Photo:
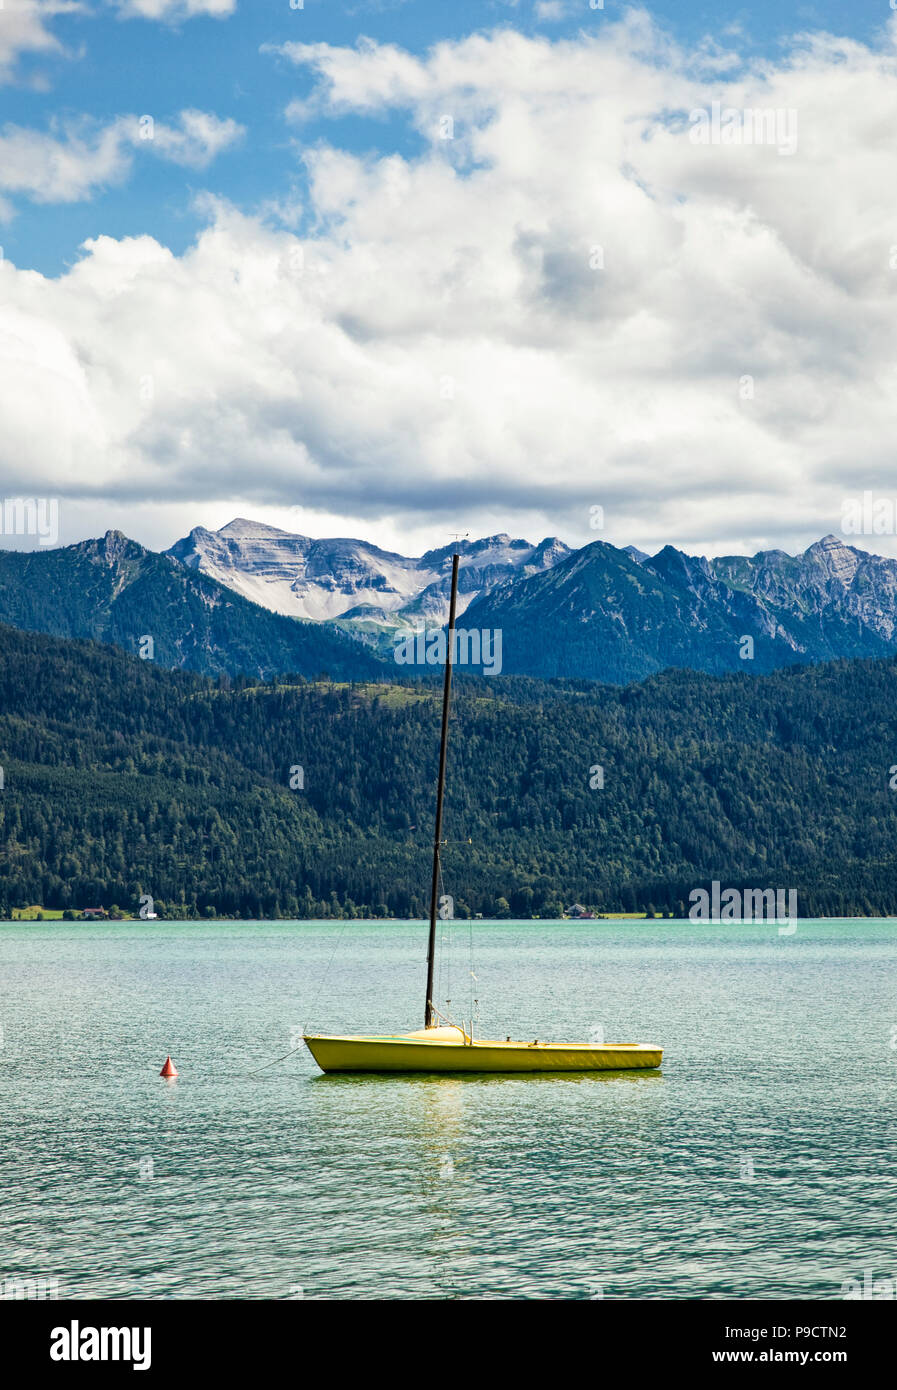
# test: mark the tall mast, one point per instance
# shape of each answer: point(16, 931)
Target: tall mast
point(440, 790)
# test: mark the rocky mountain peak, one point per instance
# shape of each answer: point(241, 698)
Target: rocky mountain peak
point(114, 545)
point(241, 528)
point(841, 561)
point(341, 578)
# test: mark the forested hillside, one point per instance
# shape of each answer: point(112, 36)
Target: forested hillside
point(121, 778)
point(114, 590)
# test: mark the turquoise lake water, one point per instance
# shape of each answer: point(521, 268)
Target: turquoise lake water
point(760, 1163)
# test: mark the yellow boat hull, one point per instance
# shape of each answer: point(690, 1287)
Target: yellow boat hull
point(452, 1050)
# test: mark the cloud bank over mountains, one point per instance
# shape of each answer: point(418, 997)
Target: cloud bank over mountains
point(552, 299)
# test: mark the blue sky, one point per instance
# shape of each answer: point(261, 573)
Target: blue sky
point(112, 66)
point(304, 303)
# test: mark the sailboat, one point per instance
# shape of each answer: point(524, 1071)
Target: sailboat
point(444, 1046)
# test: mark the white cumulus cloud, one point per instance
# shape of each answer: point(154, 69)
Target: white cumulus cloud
point(25, 28)
point(560, 301)
point(77, 157)
point(63, 166)
point(172, 11)
point(197, 139)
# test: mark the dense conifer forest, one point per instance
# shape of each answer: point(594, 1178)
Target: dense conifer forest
point(123, 779)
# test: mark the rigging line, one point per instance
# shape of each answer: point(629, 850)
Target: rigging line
point(292, 1052)
point(445, 956)
point(473, 978)
point(323, 979)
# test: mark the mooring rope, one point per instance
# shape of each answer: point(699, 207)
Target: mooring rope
point(310, 1011)
point(292, 1052)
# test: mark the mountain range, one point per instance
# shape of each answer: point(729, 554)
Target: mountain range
point(255, 600)
point(114, 590)
point(607, 615)
point(369, 591)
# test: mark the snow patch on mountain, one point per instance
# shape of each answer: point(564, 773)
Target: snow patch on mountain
point(354, 581)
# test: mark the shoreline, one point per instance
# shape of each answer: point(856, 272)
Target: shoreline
point(51, 915)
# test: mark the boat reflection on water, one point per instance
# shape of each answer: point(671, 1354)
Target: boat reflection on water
point(447, 1080)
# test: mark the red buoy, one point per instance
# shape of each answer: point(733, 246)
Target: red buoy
point(169, 1069)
